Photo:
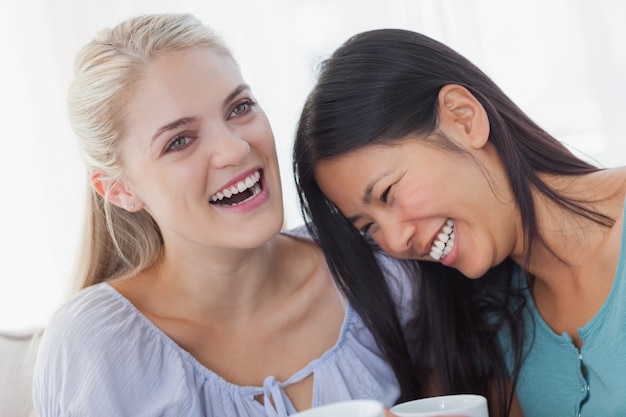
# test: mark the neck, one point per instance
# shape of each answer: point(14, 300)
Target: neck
point(572, 243)
point(228, 284)
point(220, 278)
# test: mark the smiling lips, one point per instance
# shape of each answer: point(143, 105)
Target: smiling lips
point(444, 242)
point(239, 193)
point(250, 187)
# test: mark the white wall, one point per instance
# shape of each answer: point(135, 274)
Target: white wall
point(562, 60)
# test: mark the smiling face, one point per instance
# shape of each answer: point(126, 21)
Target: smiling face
point(199, 155)
point(420, 201)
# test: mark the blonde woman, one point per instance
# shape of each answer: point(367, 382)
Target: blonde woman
point(193, 301)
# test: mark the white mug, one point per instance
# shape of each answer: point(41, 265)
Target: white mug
point(350, 408)
point(461, 405)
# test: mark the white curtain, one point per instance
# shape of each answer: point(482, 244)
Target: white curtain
point(562, 61)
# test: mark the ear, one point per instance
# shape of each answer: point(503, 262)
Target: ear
point(460, 111)
point(115, 191)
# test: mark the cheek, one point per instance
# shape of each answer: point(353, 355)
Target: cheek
point(259, 134)
point(415, 200)
point(158, 185)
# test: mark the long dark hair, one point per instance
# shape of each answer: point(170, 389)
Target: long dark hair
point(382, 86)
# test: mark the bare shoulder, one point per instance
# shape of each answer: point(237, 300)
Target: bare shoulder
point(610, 182)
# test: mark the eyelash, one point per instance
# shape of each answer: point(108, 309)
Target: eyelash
point(248, 106)
point(170, 147)
point(383, 197)
point(364, 230)
point(385, 194)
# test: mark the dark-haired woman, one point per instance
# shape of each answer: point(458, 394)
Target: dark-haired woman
point(405, 141)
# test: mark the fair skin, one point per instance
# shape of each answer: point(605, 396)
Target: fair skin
point(412, 189)
point(225, 275)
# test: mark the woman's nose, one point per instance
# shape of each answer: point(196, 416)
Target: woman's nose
point(229, 148)
point(397, 236)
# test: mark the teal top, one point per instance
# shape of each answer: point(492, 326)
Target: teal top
point(557, 379)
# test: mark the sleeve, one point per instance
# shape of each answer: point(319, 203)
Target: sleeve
point(97, 360)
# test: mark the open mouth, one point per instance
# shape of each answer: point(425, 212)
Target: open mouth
point(443, 242)
point(239, 193)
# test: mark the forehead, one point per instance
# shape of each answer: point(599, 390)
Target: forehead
point(190, 73)
point(180, 84)
point(363, 160)
point(345, 163)
point(345, 177)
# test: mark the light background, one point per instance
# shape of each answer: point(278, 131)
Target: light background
point(562, 61)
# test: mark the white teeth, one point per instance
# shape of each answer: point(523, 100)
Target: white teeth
point(444, 242)
point(250, 182)
point(447, 249)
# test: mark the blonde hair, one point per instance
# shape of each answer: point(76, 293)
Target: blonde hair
point(116, 242)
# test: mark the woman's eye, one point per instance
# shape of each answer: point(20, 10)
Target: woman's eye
point(365, 230)
point(179, 143)
point(385, 194)
point(242, 108)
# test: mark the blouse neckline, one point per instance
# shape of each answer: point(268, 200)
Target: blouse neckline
point(299, 375)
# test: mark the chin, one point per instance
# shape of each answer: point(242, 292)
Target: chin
point(261, 233)
point(475, 272)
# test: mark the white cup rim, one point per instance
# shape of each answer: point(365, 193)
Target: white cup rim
point(458, 403)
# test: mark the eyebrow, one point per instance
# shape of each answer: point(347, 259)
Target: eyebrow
point(186, 120)
point(173, 125)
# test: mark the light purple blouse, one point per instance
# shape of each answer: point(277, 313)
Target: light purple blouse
point(101, 357)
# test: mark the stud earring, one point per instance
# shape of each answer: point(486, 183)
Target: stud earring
point(129, 206)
